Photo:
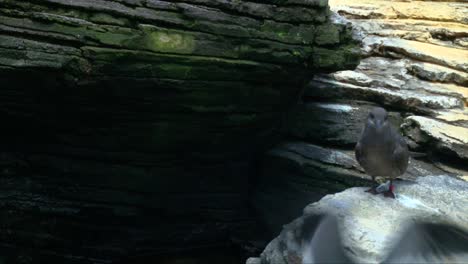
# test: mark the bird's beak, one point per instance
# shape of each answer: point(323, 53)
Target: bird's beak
point(378, 123)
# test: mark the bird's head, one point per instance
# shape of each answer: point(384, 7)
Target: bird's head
point(377, 118)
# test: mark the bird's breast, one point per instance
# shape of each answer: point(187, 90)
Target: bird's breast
point(378, 161)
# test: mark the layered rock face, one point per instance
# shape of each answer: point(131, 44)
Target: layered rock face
point(129, 125)
point(414, 65)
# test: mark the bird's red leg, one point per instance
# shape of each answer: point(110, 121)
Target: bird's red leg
point(390, 193)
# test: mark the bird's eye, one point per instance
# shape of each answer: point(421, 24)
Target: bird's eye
point(371, 116)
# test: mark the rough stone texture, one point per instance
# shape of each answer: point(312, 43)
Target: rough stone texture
point(387, 82)
point(367, 235)
point(130, 125)
point(441, 136)
point(436, 73)
point(337, 123)
point(414, 66)
point(295, 173)
point(253, 261)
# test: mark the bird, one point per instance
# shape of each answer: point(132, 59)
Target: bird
point(420, 242)
point(381, 150)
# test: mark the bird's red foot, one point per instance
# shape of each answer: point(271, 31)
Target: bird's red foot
point(390, 193)
point(372, 190)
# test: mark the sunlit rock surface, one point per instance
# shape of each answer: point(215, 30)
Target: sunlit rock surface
point(442, 136)
point(370, 222)
point(415, 65)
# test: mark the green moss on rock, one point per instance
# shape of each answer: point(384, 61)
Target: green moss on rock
point(327, 34)
point(175, 91)
point(166, 41)
point(341, 57)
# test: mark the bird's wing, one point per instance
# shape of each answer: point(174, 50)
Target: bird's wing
point(358, 152)
point(424, 243)
point(322, 241)
point(400, 157)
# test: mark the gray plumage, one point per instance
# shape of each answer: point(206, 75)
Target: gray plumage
point(381, 150)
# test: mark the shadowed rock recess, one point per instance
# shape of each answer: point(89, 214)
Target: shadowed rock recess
point(129, 126)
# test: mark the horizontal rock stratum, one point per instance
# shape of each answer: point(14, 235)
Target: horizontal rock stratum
point(130, 125)
point(416, 63)
point(165, 70)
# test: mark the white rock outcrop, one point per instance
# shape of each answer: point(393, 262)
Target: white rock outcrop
point(370, 223)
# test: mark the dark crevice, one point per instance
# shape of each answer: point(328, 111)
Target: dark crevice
point(45, 39)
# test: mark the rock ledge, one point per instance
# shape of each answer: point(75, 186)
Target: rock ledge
point(370, 221)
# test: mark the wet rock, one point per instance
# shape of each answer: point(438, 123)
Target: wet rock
point(367, 235)
point(436, 73)
point(13, 164)
point(139, 120)
point(389, 83)
point(400, 48)
point(441, 136)
point(406, 100)
point(297, 173)
point(414, 66)
point(338, 124)
point(253, 261)
point(454, 116)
